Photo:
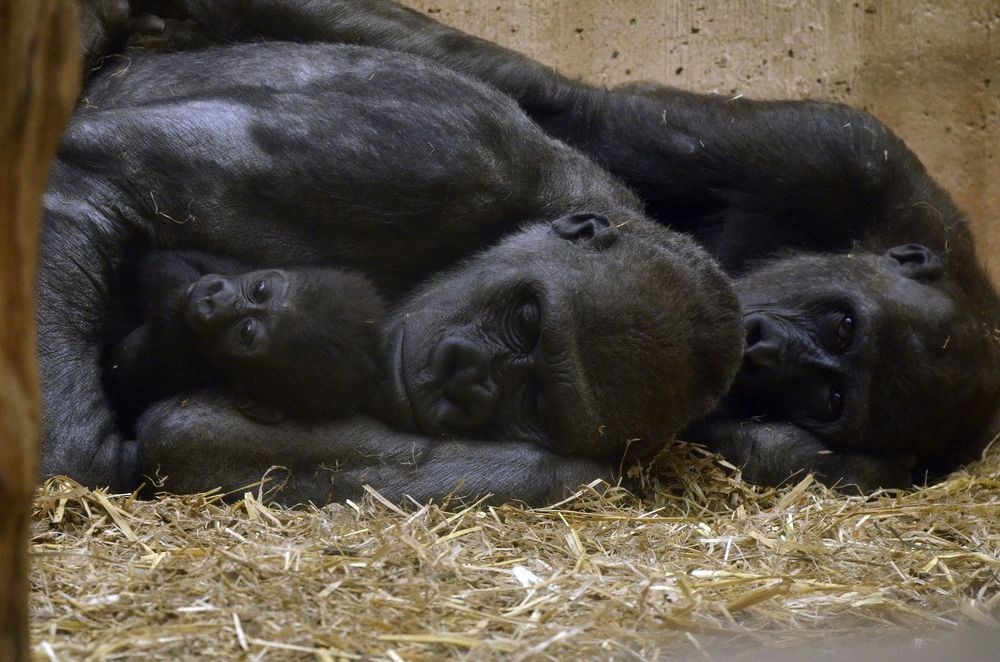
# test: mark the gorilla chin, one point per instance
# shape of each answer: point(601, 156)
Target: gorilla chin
point(577, 336)
point(872, 352)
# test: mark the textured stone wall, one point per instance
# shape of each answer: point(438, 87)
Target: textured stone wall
point(930, 69)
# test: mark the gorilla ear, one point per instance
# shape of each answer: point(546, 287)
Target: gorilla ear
point(916, 261)
point(594, 229)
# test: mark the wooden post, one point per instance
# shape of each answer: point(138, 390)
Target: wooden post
point(39, 83)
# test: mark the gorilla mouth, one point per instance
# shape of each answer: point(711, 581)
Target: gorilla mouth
point(397, 397)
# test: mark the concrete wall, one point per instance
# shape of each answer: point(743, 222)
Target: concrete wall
point(930, 69)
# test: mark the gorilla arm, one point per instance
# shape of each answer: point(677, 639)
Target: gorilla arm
point(378, 23)
point(746, 177)
point(203, 442)
point(74, 303)
point(773, 453)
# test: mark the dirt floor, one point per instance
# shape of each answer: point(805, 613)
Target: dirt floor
point(705, 566)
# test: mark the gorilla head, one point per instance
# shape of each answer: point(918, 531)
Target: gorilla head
point(303, 339)
point(881, 353)
point(575, 335)
point(299, 341)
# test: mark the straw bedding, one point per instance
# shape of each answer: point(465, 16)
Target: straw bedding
point(703, 566)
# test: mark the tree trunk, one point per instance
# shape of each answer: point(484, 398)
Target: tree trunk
point(39, 83)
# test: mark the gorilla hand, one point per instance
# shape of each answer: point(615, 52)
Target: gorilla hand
point(773, 453)
point(203, 442)
point(106, 24)
point(75, 291)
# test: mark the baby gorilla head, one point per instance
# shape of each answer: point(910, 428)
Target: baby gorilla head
point(300, 340)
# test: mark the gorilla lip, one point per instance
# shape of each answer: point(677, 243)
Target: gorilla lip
point(397, 382)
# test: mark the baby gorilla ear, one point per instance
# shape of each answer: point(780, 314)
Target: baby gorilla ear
point(916, 261)
point(590, 228)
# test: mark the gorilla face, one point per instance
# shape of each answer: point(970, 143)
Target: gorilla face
point(234, 318)
point(302, 339)
point(858, 350)
point(575, 335)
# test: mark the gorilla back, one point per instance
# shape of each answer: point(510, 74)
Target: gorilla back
point(358, 158)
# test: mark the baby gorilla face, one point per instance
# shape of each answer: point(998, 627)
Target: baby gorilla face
point(234, 318)
point(303, 340)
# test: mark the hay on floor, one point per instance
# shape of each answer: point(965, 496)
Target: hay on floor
point(703, 563)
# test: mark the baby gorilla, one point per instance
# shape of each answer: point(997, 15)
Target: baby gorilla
point(300, 342)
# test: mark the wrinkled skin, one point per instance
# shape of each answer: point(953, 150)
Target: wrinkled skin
point(749, 179)
point(299, 342)
point(277, 165)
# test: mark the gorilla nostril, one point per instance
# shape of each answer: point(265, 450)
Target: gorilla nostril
point(754, 334)
point(213, 288)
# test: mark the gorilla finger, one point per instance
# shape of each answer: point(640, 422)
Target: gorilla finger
point(148, 24)
point(175, 9)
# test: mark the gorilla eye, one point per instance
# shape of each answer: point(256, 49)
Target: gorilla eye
point(528, 325)
point(834, 403)
point(258, 292)
point(845, 332)
point(248, 332)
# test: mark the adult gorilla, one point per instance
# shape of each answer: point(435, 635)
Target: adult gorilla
point(871, 351)
point(397, 167)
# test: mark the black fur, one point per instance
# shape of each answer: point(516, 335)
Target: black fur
point(751, 179)
point(282, 154)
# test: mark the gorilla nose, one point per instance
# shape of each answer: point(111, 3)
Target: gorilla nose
point(763, 345)
point(460, 369)
point(210, 297)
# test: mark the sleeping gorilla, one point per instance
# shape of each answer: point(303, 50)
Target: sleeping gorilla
point(300, 342)
point(536, 365)
point(588, 333)
point(872, 345)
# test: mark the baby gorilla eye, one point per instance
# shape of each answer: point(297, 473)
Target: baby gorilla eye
point(845, 332)
point(248, 332)
point(259, 291)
